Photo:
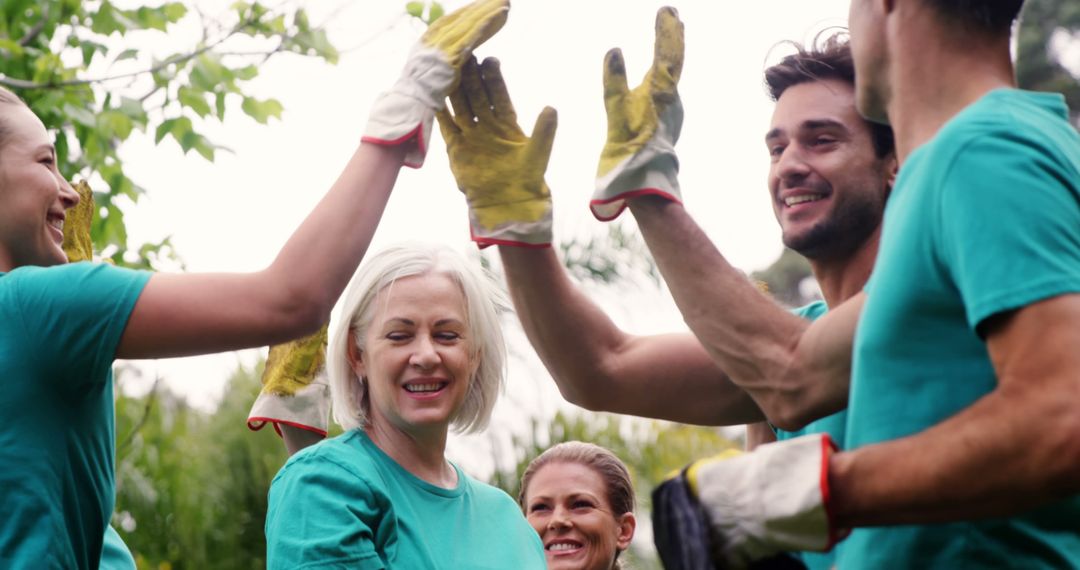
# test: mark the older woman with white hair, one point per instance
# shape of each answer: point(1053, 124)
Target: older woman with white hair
point(418, 351)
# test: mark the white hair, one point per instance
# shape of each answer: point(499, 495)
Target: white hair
point(484, 301)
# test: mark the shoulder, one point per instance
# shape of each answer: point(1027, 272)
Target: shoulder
point(811, 311)
point(491, 496)
point(1009, 125)
point(340, 458)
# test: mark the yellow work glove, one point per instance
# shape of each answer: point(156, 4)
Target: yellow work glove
point(77, 243)
point(500, 170)
point(403, 115)
point(736, 509)
point(294, 390)
point(643, 125)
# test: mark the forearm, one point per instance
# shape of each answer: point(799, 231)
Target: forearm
point(766, 350)
point(321, 256)
point(600, 367)
point(1009, 452)
point(290, 299)
point(759, 433)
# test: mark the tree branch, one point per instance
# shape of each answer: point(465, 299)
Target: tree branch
point(38, 27)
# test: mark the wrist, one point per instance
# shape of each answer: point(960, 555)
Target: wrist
point(838, 502)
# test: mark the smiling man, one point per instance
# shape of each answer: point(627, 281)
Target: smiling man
point(830, 174)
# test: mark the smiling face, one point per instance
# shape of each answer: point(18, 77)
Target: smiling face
point(567, 505)
point(416, 356)
point(33, 194)
point(827, 183)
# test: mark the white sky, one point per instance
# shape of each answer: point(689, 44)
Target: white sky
point(235, 214)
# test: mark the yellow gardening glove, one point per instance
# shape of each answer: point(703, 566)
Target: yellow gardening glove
point(735, 509)
point(77, 243)
point(643, 125)
point(432, 70)
point(500, 170)
point(294, 392)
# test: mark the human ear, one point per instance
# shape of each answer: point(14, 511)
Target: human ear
point(627, 524)
point(354, 355)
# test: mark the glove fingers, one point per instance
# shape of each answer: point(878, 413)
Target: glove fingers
point(669, 49)
point(472, 84)
point(497, 92)
point(450, 130)
point(543, 137)
point(614, 75)
point(459, 102)
point(460, 32)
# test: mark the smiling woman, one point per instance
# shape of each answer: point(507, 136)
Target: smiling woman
point(418, 352)
point(578, 497)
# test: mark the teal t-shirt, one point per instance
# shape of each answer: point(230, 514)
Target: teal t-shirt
point(833, 425)
point(59, 329)
point(984, 219)
point(114, 553)
point(344, 503)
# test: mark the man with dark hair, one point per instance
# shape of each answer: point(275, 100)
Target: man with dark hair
point(964, 411)
point(830, 174)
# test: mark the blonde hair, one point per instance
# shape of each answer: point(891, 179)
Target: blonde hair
point(484, 302)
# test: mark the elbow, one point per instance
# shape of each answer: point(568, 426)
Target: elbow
point(302, 314)
point(789, 416)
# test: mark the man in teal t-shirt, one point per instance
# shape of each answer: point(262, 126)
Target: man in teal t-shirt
point(344, 502)
point(961, 443)
point(59, 329)
point(995, 196)
point(962, 450)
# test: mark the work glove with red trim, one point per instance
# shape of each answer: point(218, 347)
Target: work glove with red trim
point(500, 170)
point(294, 388)
point(638, 158)
point(742, 508)
point(404, 114)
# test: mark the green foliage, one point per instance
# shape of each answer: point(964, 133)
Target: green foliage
point(191, 486)
point(1037, 67)
point(76, 66)
point(784, 276)
point(426, 12)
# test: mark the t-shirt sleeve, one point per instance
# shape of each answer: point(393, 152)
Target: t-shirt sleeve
point(322, 515)
point(1010, 223)
point(75, 315)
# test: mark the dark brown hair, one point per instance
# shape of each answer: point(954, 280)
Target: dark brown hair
point(993, 17)
point(823, 60)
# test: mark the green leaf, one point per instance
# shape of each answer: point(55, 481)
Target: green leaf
point(219, 103)
point(194, 100)
point(415, 9)
point(435, 12)
point(207, 73)
point(261, 111)
point(174, 11)
point(81, 116)
point(114, 123)
point(247, 73)
point(10, 48)
point(130, 53)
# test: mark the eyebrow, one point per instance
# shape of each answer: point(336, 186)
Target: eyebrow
point(809, 125)
point(411, 323)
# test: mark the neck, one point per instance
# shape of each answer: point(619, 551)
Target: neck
point(935, 74)
point(418, 453)
point(843, 278)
